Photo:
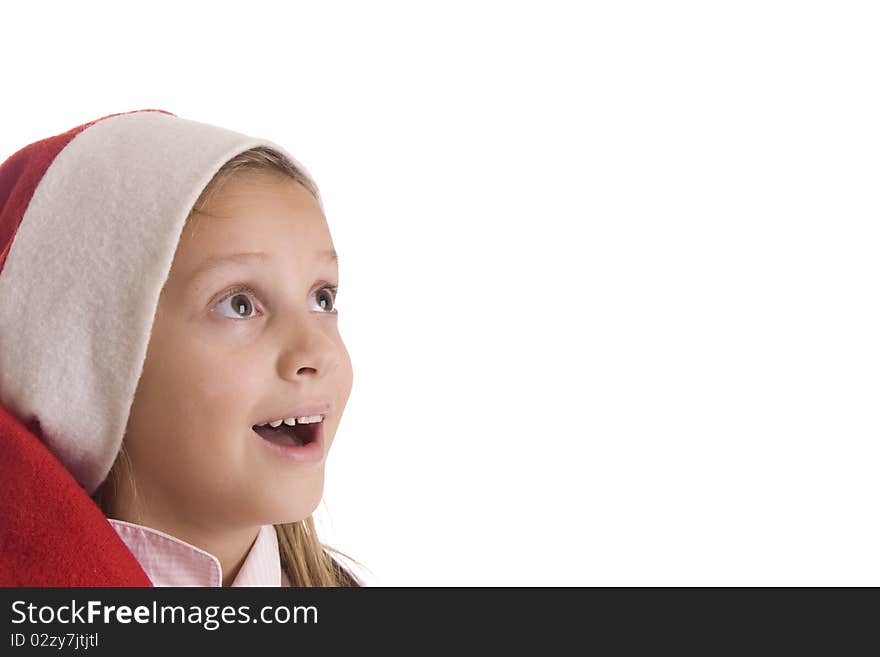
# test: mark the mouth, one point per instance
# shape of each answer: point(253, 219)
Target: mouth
point(284, 435)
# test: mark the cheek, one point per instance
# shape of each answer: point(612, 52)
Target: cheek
point(342, 379)
point(346, 375)
point(212, 379)
point(194, 401)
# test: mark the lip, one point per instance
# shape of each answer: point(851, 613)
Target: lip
point(311, 453)
point(310, 408)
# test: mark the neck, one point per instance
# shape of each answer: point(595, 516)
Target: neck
point(229, 545)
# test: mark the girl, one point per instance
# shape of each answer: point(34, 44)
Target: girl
point(171, 372)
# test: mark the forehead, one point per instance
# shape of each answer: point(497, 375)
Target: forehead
point(249, 187)
point(253, 208)
point(275, 216)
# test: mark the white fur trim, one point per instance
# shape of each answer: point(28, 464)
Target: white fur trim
point(81, 283)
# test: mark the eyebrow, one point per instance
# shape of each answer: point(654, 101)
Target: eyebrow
point(240, 258)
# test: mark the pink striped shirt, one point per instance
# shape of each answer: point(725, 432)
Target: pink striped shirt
point(169, 561)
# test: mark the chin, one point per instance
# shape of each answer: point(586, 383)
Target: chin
point(294, 510)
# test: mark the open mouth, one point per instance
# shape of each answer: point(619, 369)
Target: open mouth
point(287, 436)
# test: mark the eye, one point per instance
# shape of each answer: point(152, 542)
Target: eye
point(241, 301)
point(327, 298)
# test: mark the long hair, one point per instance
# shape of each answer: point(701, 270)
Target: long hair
point(305, 559)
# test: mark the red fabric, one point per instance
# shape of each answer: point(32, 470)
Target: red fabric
point(51, 532)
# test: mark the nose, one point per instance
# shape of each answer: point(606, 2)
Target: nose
point(308, 349)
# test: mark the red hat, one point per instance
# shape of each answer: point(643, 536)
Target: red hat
point(89, 225)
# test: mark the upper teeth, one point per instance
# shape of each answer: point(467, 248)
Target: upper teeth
point(291, 421)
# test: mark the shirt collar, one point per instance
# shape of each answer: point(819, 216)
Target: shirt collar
point(169, 561)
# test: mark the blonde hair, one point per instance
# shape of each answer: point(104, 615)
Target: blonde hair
point(305, 559)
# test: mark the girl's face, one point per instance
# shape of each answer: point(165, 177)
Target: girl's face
point(222, 359)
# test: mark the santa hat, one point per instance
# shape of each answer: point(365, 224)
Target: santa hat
point(89, 225)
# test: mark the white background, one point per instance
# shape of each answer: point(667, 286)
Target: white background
point(609, 270)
